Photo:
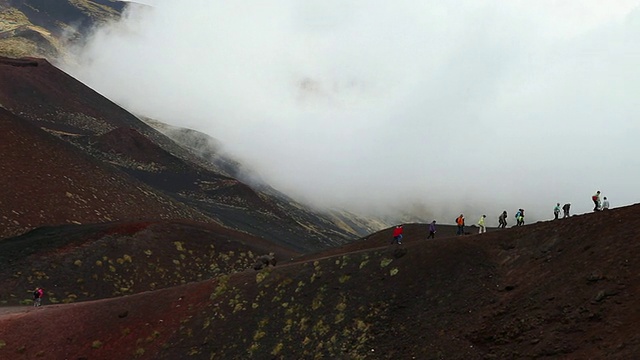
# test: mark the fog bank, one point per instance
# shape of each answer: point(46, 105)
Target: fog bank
point(432, 108)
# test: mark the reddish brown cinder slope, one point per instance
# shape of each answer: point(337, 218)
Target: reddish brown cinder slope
point(558, 289)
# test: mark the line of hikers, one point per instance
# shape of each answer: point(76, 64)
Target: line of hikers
point(502, 219)
point(482, 228)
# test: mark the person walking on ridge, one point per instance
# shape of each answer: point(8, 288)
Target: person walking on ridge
point(397, 235)
point(556, 211)
point(481, 227)
point(38, 293)
point(432, 230)
point(502, 220)
point(596, 201)
point(565, 209)
point(605, 204)
point(520, 217)
point(460, 222)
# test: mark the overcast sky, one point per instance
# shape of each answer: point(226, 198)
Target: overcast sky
point(435, 107)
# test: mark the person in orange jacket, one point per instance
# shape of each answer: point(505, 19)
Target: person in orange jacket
point(460, 222)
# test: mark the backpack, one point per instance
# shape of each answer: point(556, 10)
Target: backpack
point(594, 198)
point(36, 294)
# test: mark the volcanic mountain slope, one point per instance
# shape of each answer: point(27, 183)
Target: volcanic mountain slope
point(36, 91)
point(81, 262)
point(42, 28)
point(232, 202)
point(557, 289)
point(46, 181)
point(211, 151)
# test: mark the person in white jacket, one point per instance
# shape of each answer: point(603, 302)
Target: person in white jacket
point(605, 204)
point(481, 227)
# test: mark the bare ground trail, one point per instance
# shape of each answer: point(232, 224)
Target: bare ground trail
point(11, 310)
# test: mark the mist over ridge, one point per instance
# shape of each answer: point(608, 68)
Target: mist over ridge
point(431, 109)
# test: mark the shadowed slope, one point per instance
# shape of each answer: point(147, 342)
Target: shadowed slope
point(47, 181)
point(81, 262)
point(56, 101)
point(562, 288)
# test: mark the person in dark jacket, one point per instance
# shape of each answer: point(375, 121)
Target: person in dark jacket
point(565, 209)
point(502, 220)
point(432, 230)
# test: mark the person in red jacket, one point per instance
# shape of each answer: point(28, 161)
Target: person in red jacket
point(397, 235)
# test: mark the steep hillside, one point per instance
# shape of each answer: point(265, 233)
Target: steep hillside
point(82, 262)
point(557, 289)
point(47, 181)
point(210, 151)
point(48, 98)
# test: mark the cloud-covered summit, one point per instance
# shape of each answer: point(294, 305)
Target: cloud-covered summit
point(437, 108)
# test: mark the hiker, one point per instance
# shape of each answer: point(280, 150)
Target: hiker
point(596, 201)
point(520, 217)
point(460, 222)
point(565, 209)
point(605, 204)
point(502, 220)
point(38, 293)
point(481, 228)
point(397, 235)
point(556, 211)
point(432, 230)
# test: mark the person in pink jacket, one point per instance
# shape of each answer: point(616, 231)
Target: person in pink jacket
point(37, 296)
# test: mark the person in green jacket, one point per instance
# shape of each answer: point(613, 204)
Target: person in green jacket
point(556, 211)
point(481, 227)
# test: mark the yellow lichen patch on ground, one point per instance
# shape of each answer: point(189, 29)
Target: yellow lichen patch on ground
point(13, 24)
point(94, 9)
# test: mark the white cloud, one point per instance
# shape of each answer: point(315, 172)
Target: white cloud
point(466, 106)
